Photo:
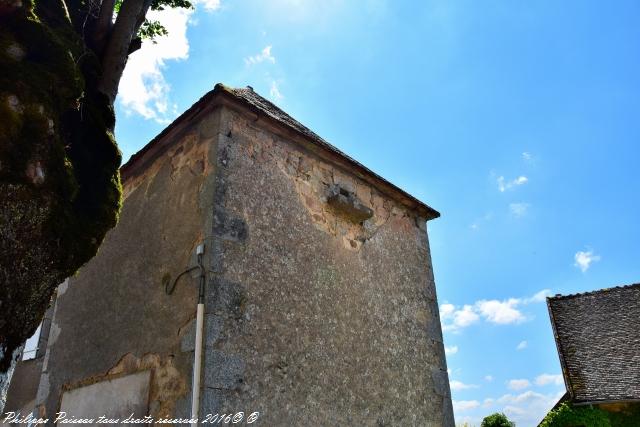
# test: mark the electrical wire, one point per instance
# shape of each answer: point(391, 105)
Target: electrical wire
point(170, 290)
point(203, 275)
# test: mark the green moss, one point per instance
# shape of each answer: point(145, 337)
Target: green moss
point(62, 124)
point(11, 121)
point(80, 158)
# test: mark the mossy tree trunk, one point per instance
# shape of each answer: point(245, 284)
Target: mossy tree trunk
point(60, 65)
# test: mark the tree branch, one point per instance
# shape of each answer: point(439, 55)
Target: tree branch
point(135, 45)
point(82, 13)
point(54, 13)
point(117, 48)
point(103, 26)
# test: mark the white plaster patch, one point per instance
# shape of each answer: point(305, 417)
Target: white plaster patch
point(118, 398)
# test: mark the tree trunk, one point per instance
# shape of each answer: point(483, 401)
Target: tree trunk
point(59, 181)
point(61, 62)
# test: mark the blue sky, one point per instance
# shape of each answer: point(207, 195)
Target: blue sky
point(518, 121)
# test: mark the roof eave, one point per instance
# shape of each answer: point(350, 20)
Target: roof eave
point(222, 93)
point(563, 364)
point(407, 199)
point(603, 401)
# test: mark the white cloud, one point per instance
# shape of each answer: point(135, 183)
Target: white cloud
point(465, 317)
point(274, 91)
point(526, 409)
point(518, 384)
point(584, 260)
point(488, 378)
point(464, 405)
point(479, 221)
point(545, 379)
point(459, 385)
point(454, 318)
point(446, 309)
point(209, 5)
point(529, 407)
point(519, 209)
point(264, 55)
point(501, 312)
point(527, 156)
point(520, 180)
point(522, 345)
point(451, 350)
point(143, 89)
point(538, 297)
point(504, 185)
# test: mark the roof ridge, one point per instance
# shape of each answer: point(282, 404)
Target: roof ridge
point(594, 292)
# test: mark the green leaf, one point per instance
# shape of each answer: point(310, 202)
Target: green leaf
point(149, 30)
point(162, 4)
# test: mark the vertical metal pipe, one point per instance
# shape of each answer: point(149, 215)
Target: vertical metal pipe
point(197, 364)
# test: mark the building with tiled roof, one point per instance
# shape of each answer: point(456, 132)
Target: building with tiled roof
point(598, 339)
point(597, 335)
point(255, 269)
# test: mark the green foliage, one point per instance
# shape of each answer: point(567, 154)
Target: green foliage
point(497, 420)
point(569, 416)
point(589, 416)
point(150, 29)
point(627, 418)
point(162, 4)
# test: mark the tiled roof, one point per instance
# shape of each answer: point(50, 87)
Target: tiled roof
point(256, 103)
point(598, 339)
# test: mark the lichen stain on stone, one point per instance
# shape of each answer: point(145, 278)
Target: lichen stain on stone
point(313, 179)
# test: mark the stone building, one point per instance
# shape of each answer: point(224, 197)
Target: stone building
point(319, 295)
point(598, 340)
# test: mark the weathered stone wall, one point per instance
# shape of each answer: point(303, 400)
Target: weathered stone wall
point(24, 385)
point(314, 319)
point(113, 318)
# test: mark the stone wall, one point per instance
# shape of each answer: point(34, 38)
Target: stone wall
point(315, 318)
point(321, 304)
point(24, 385)
point(113, 319)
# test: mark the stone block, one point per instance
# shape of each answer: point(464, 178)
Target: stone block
point(348, 205)
point(223, 370)
point(440, 381)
